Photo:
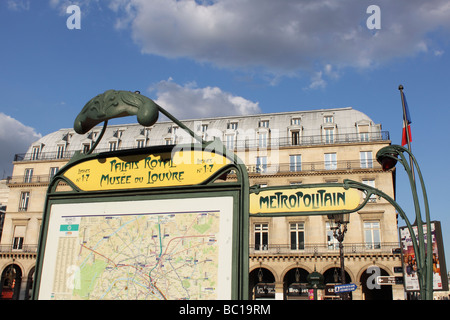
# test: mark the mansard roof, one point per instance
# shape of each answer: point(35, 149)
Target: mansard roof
point(310, 122)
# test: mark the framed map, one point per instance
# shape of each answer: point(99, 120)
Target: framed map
point(154, 249)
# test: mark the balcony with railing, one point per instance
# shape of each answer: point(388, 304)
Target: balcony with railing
point(308, 167)
point(271, 141)
point(23, 251)
point(236, 145)
point(322, 249)
point(34, 179)
point(44, 156)
point(31, 248)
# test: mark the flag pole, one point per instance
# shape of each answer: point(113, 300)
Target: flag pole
point(425, 254)
point(405, 123)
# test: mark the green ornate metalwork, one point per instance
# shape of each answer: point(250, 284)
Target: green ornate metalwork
point(388, 157)
point(114, 104)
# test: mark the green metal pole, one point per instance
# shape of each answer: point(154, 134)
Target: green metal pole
point(422, 271)
point(425, 276)
point(429, 248)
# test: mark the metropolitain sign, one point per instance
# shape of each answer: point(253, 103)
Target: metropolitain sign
point(304, 200)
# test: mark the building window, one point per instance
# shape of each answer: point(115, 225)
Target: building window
point(28, 176)
point(366, 159)
point(363, 131)
point(332, 242)
point(53, 171)
point(24, 200)
point(370, 183)
point(229, 141)
point(264, 123)
point(119, 133)
point(329, 135)
point(203, 128)
point(295, 138)
point(328, 119)
point(261, 236)
point(261, 164)
point(330, 161)
point(364, 136)
point(35, 153)
point(140, 143)
point(168, 141)
point(17, 243)
point(232, 125)
point(295, 163)
point(297, 232)
point(19, 234)
point(60, 152)
point(112, 146)
point(372, 234)
point(295, 121)
point(86, 147)
point(262, 139)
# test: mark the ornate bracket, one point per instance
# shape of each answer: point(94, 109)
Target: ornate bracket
point(115, 104)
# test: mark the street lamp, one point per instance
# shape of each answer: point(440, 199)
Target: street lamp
point(388, 158)
point(339, 230)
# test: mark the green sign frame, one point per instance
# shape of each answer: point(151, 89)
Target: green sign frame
point(208, 189)
point(307, 199)
point(202, 211)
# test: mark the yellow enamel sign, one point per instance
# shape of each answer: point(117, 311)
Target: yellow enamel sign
point(146, 171)
point(304, 200)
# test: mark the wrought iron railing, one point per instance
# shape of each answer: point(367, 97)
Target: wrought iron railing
point(26, 248)
point(272, 141)
point(29, 179)
point(333, 248)
point(314, 166)
point(238, 144)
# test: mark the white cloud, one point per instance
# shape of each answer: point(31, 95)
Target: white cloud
point(283, 37)
point(188, 101)
point(18, 5)
point(317, 82)
point(15, 137)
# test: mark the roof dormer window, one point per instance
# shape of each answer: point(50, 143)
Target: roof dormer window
point(328, 119)
point(263, 124)
point(295, 121)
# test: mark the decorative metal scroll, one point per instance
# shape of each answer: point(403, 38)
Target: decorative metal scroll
point(117, 103)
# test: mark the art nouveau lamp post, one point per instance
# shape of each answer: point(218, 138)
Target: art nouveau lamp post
point(388, 158)
point(339, 231)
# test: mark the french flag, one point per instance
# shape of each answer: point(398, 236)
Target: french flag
point(407, 122)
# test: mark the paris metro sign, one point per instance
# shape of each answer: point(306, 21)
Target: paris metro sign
point(156, 223)
point(312, 199)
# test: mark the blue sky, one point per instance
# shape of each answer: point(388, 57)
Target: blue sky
point(221, 57)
